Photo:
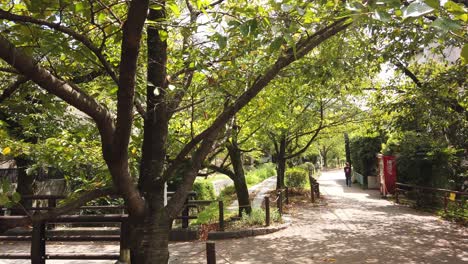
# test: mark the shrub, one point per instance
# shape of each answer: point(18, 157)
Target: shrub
point(423, 160)
point(204, 190)
point(256, 217)
point(229, 190)
point(260, 173)
point(296, 177)
point(363, 154)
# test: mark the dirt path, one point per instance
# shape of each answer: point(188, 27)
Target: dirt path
point(350, 226)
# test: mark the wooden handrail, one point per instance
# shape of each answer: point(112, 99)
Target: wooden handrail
point(430, 188)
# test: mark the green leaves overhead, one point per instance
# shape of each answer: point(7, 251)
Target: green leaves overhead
point(417, 9)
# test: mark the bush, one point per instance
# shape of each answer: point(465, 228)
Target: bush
point(363, 154)
point(423, 160)
point(229, 190)
point(204, 190)
point(296, 177)
point(260, 173)
point(257, 217)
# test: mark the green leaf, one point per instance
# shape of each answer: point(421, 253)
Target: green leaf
point(417, 9)
point(162, 34)
point(3, 199)
point(454, 8)
point(276, 44)
point(381, 16)
point(446, 24)
point(464, 54)
point(79, 7)
point(16, 197)
point(222, 41)
point(175, 9)
point(433, 3)
point(5, 186)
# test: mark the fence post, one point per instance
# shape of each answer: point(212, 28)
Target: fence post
point(279, 203)
point(210, 252)
point(52, 202)
point(312, 189)
point(221, 215)
point(318, 190)
point(124, 242)
point(287, 195)
point(38, 246)
point(445, 203)
point(267, 211)
point(397, 198)
point(185, 215)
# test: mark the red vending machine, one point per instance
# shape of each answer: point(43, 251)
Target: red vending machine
point(387, 174)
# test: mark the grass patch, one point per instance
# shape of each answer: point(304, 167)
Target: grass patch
point(210, 213)
point(260, 174)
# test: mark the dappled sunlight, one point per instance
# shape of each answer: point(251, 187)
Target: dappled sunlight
point(352, 226)
point(349, 225)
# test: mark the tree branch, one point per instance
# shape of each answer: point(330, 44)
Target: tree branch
point(58, 27)
point(263, 80)
point(12, 88)
point(26, 66)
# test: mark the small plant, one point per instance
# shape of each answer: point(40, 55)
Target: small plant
point(204, 190)
point(257, 217)
point(296, 177)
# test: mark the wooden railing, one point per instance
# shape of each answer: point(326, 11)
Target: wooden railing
point(439, 199)
point(39, 238)
point(39, 235)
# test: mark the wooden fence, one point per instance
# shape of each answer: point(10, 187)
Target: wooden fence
point(452, 202)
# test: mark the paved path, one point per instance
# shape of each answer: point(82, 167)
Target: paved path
point(349, 226)
point(258, 191)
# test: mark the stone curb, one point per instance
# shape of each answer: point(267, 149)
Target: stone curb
point(217, 235)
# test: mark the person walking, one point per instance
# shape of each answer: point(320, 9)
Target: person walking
point(347, 172)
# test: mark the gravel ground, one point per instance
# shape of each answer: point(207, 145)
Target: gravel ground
point(349, 225)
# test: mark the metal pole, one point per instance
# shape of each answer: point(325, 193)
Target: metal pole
point(267, 210)
point(210, 252)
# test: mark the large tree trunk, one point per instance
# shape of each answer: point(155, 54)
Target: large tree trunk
point(281, 164)
point(239, 179)
point(149, 234)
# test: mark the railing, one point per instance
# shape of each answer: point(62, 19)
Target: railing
point(433, 198)
point(39, 235)
point(39, 238)
point(359, 178)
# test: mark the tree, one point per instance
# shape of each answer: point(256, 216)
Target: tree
point(150, 219)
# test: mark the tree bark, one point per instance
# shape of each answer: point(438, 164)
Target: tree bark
point(281, 163)
point(238, 178)
point(149, 235)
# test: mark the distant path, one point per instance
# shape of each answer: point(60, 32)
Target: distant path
point(258, 192)
point(349, 226)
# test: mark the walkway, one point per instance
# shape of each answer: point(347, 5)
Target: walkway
point(349, 226)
